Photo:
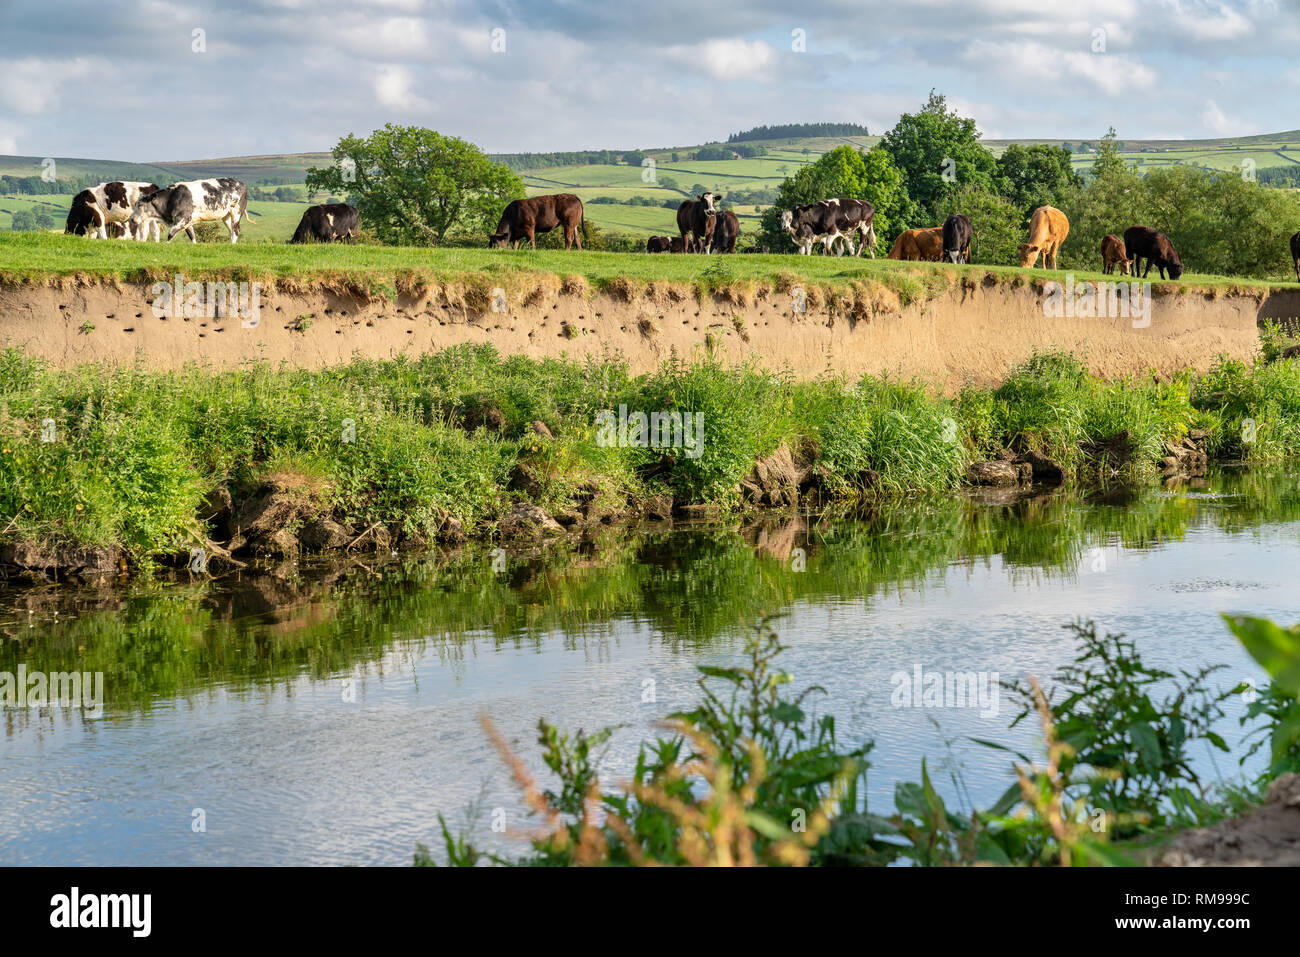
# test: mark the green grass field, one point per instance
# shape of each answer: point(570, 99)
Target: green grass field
point(32, 257)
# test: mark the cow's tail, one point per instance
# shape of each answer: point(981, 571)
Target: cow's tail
point(246, 217)
point(582, 221)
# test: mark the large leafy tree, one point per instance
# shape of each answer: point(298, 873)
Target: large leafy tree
point(414, 186)
point(844, 172)
point(939, 153)
point(1037, 175)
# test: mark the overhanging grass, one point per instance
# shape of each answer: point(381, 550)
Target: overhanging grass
point(40, 258)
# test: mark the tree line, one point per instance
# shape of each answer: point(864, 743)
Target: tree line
point(798, 131)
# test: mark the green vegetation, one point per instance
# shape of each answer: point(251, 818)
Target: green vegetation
point(123, 457)
point(413, 186)
point(752, 776)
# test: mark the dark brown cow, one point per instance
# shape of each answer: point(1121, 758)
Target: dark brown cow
point(677, 245)
point(696, 217)
point(1143, 241)
point(1114, 254)
point(524, 218)
point(1295, 254)
point(658, 244)
point(725, 232)
point(956, 238)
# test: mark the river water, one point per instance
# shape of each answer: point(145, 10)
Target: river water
point(326, 715)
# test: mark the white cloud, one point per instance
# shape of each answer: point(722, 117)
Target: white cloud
point(393, 88)
point(1207, 20)
point(31, 85)
point(728, 59)
point(1041, 67)
point(1219, 123)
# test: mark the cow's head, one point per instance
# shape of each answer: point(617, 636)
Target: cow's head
point(1175, 269)
point(787, 221)
point(1028, 253)
point(499, 240)
point(710, 201)
point(148, 209)
point(1126, 267)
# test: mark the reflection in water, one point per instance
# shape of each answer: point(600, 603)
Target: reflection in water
point(325, 715)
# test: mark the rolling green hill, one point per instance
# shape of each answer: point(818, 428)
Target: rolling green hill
point(673, 178)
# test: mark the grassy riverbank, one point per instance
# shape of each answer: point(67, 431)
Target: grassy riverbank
point(441, 447)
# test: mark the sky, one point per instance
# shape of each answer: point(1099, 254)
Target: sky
point(148, 80)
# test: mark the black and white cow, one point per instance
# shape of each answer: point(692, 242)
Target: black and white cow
point(832, 221)
point(95, 208)
point(327, 222)
point(202, 201)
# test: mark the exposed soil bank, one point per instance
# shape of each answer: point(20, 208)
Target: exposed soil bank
point(974, 331)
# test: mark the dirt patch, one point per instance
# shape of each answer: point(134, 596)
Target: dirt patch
point(1266, 837)
point(969, 333)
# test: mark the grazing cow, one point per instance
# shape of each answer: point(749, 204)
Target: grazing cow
point(1144, 242)
point(918, 245)
point(697, 217)
point(757, 249)
point(957, 234)
point(832, 221)
point(1114, 254)
point(524, 218)
point(94, 208)
point(1048, 228)
point(222, 200)
point(327, 222)
point(677, 245)
point(1295, 254)
point(725, 231)
point(658, 244)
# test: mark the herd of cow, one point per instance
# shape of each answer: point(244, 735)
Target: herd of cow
point(125, 210)
point(139, 211)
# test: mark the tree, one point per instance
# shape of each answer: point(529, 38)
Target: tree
point(1033, 176)
point(24, 221)
point(413, 186)
point(998, 225)
point(939, 153)
point(844, 172)
point(1108, 159)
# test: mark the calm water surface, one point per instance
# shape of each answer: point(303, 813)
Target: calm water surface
point(327, 715)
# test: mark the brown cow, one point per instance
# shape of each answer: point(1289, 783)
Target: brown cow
point(919, 245)
point(524, 218)
point(1114, 254)
point(1048, 228)
point(658, 244)
point(698, 217)
point(1295, 254)
point(677, 245)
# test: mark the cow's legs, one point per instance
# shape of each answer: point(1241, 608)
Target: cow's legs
point(232, 224)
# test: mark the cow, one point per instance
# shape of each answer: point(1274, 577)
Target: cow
point(327, 222)
point(757, 249)
point(696, 217)
point(1144, 242)
point(525, 218)
point(658, 244)
point(957, 234)
point(918, 245)
point(1048, 228)
point(223, 199)
point(677, 245)
point(725, 231)
point(1114, 254)
point(832, 221)
point(1295, 254)
point(114, 202)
